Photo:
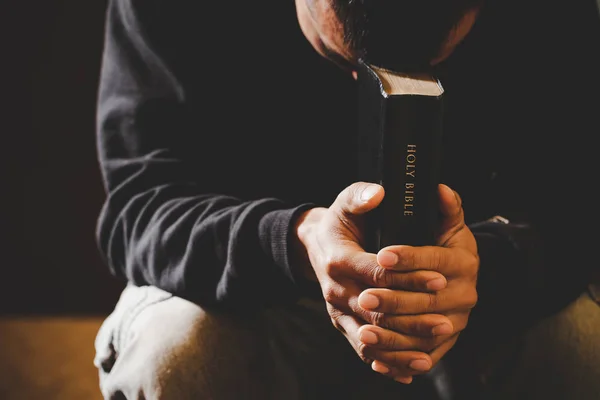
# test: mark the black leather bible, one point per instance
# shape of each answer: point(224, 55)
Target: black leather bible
point(400, 144)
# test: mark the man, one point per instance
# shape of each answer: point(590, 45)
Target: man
point(246, 285)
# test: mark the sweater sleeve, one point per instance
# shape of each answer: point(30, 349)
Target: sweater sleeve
point(164, 223)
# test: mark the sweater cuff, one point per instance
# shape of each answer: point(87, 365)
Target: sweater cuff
point(276, 235)
point(509, 276)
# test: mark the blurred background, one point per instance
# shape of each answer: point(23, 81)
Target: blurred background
point(52, 190)
point(54, 289)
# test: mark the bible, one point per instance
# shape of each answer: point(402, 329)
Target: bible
point(400, 144)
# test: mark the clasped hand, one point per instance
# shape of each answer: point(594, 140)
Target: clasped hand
point(403, 308)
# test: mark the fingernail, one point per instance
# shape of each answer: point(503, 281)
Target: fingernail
point(387, 258)
point(378, 367)
point(368, 301)
point(420, 365)
point(368, 192)
point(368, 337)
point(404, 379)
point(442, 329)
point(436, 284)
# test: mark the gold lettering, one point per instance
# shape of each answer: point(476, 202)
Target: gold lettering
point(409, 187)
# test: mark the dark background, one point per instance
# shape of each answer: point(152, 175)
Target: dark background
point(50, 185)
point(51, 189)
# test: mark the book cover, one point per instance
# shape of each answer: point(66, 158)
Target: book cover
point(400, 144)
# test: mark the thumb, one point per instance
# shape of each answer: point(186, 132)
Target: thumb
point(453, 230)
point(358, 198)
point(453, 218)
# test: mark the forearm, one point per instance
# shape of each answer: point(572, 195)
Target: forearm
point(214, 250)
point(172, 218)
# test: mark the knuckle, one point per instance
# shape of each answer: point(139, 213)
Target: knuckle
point(397, 359)
point(329, 293)
point(468, 298)
point(397, 302)
point(431, 301)
point(335, 321)
point(474, 264)
point(333, 262)
point(329, 296)
point(412, 258)
point(398, 323)
point(472, 298)
point(428, 345)
point(362, 351)
point(334, 313)
point(390, 341)
point(379, 319)
point(437, 260)
point(381, 277)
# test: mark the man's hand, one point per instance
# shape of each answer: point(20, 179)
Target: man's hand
point(332, 238)
point(456, 258)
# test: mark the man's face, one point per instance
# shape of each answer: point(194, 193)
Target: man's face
point(325, 32)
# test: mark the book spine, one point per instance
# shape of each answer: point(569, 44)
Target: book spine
point(410, 170)
point(371, 108)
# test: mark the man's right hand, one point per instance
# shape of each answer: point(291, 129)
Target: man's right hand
point(332, 239)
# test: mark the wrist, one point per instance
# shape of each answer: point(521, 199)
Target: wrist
point(303, 232)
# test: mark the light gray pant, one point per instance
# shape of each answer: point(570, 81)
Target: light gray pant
point(158, 346)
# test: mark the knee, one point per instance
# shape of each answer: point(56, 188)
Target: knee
point(174, 349)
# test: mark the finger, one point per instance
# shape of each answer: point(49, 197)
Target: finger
point(365, 268)
point(461, 296)
point(422, 325)
point(342, 299)
point(447, 261)
point(349, 326)
point(442, 349)
point(393, 363)
point(416, 281)
point(386, 339)
point(391, 372)
point(373, 275)
point(358, 198)
point(349, 298)
point(403, 363)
